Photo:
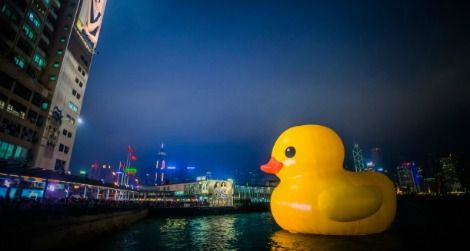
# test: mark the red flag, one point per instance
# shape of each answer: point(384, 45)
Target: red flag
point(94, 165)
point(130, 149)
point(133, 157)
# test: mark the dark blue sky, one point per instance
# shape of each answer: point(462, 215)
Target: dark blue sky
point(218, 81)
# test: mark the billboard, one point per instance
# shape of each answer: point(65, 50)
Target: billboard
point(89, 21)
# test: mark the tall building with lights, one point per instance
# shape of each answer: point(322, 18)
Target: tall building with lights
point(46, 50)
point(358, 158)
point(377, 159)
point(448, 174)
point(160, 166)
point(409, 177)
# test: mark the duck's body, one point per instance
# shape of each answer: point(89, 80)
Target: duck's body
point(316, 195)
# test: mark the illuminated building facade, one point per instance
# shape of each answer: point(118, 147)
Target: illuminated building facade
point(46, 49)
point(216, 193)
point(358, 158)
point(448, 175)
point(409, 177)
point(160, 166)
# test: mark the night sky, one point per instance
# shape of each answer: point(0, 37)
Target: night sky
point(218, 81)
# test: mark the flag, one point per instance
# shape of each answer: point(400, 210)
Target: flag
point(133, 157)
point(130, 149)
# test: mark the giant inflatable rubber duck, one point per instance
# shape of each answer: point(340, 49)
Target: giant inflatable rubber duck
point(317, 195)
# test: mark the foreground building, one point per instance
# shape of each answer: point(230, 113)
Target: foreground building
point(46, 50)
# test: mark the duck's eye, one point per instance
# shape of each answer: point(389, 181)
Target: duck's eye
point(290, 152)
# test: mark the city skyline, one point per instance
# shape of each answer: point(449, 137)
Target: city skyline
point(219, 81)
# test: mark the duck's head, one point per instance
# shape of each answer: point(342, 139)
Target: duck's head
point(305, 149)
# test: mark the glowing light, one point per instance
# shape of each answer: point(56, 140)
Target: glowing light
point(51, 188)
point(82, 172)
point(171, 167)
point(131, 170)
point(190, 167)
point(80, 120)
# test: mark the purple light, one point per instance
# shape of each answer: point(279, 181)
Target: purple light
point(51, 188)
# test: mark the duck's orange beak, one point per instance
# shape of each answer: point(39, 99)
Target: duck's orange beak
point(273, 166)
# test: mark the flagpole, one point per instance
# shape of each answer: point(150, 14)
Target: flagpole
point(118, 179)
point(128, 164)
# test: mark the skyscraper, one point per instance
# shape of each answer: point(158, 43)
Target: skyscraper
point(377, 159)
point(448, 175)
point(358, 158)
point(46, 49)
point(409, 177)
point(160, 166)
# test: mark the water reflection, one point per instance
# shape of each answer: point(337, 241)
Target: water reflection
point(214, 233)
point(283, 240)
point(256, 231)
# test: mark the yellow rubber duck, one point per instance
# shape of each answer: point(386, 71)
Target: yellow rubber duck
point(317, 195)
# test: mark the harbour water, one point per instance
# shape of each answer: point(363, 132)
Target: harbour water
point(418, 226)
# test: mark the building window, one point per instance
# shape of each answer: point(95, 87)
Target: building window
point(33, 17)
point(80, 84)
point(59, 165)
point(39, 60)
point(19, 61)
point(16, 109)
point(22, 91)
point(74, 92)
point(61, 148)
point(52, 77)
point(46, 2)
point(40, 7)
point(29, 32)
point(60, 52)
point(66, 149)
point(9, 13)
point(44, 105)
point(72, 106)
point(32, 116)
point(69, 134)
point(56, 65)
point(39, 101)
point(7, 151)
point(64, 132)
point(78, 96)
point(69, 119)
point(79, 68)
point(66, 28)
point(62, 39)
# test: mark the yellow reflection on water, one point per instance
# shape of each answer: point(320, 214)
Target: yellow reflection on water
point(283, 240)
